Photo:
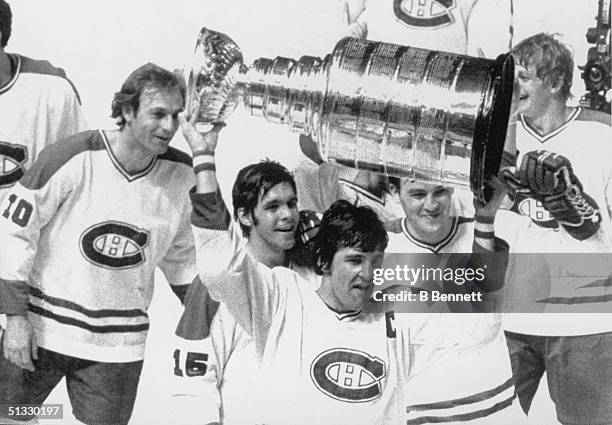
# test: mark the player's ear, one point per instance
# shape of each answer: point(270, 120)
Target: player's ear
point(128, 113)
point(244, 217)
point(556, 85)
point(323, 266)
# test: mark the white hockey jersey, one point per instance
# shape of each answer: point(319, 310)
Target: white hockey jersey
point(450, 390)
point(317, 366)
point(440, 25)
point(85, 237)
point(306, 355)
point(576, 288)
point(39, 106)
point(212, 356)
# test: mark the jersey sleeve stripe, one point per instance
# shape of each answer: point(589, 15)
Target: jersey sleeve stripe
point(474, 398)
point(576, 300)
point(95, 314)
point(463, 417)
point(45, 67)
point(209, 211)
point(89, 327)
point(200, 310)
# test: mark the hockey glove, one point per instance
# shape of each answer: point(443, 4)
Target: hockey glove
point(548, 177)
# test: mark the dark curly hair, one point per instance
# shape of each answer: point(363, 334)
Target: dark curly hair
point(253, 182)
point(345, 225)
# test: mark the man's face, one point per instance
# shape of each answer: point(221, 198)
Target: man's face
point(154, 124)
point(427, 207)
point(535, 95)
point(352, 277)
point(274, 220)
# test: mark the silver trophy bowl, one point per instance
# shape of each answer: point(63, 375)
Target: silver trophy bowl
point(397, 110)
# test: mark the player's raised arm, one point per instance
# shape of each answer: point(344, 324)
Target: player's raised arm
point(232, 275)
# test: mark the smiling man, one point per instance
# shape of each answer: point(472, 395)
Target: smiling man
point(81, 235)
point(564, 185)
point(212, 354)
point(449, 388)
point(317, 356)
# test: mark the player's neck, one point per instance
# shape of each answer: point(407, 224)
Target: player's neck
point(329, 299)
point(555, 116)
point(265, 255)
point(6, 72)
point(129, 155)
point(431, 237)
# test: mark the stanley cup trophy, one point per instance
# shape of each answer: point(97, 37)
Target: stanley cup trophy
point(397, 110)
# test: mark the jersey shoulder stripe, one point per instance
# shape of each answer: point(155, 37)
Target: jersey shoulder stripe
point(37, 66)
point(56, 155)
point(176, 155)
point(592, 115)
point(44, 67)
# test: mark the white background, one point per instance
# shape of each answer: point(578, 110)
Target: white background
point(99, 43)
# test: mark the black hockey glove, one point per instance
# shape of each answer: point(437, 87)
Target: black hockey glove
point(548, 177)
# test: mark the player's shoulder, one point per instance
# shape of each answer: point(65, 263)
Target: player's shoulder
point(177, 161)
point(57, 155)
point(40, 66)
point(590, 115)
point(176, 156)
point(176, 167)
point(43, 67)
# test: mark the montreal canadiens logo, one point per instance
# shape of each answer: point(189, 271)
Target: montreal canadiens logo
point(424, 13)
point(12, 162)
point(536, 211)
point(114, 245)
point(348, 375)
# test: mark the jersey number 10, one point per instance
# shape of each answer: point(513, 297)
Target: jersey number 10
point(22, 213)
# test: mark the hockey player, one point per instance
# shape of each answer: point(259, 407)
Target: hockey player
point(457, 26)
point(447, 389)
point(81, 236)
point(564, 184)
point(38, 106)
point(212, 354)
point(316, 345)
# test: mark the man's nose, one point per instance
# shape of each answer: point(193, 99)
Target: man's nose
point(431, 202)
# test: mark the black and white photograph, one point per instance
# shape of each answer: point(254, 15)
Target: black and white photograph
point(272, 212)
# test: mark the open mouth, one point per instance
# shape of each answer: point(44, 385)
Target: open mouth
point(286, 229)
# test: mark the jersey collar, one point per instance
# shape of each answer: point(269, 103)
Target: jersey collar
point(545, 137)
point(435, 247)
point(128, 176)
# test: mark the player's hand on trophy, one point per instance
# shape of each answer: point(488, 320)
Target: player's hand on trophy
point(19, 345)
point(549, 178)
point(487, 211)
point(198, 141)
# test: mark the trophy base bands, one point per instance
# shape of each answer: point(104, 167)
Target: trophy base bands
point(24, 412)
